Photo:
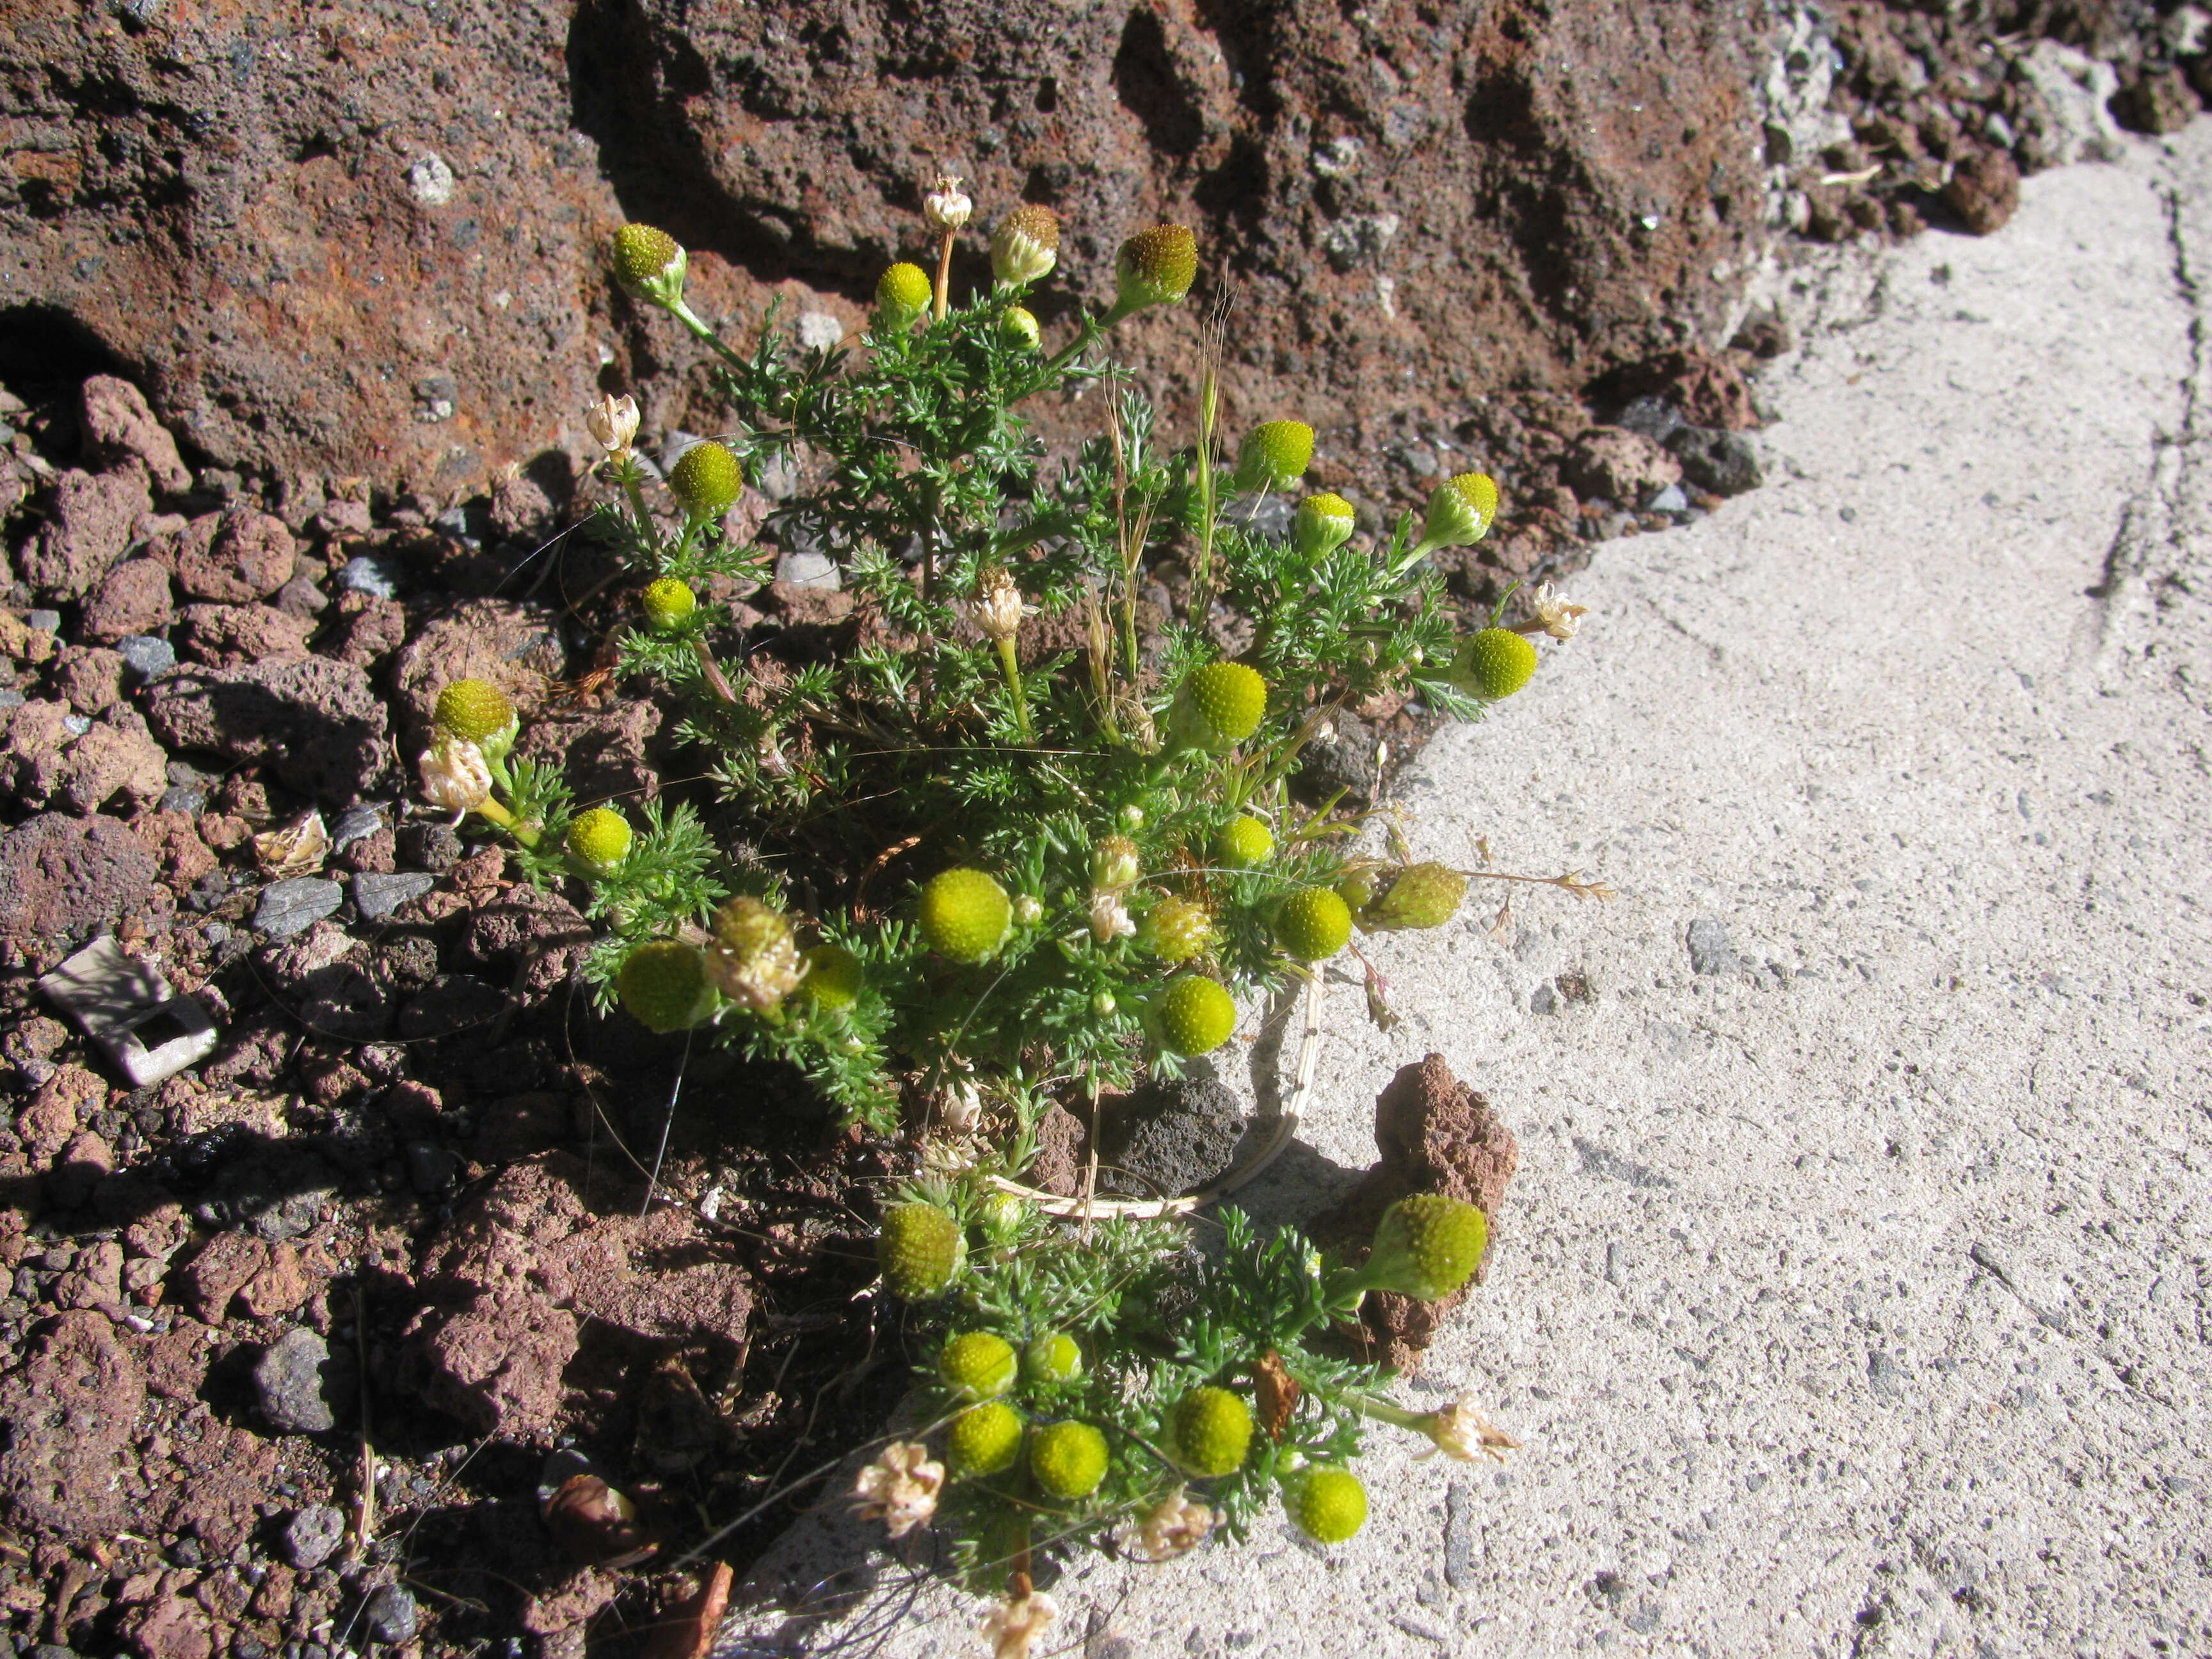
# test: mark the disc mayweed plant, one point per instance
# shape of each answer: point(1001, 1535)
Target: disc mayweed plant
point(1005, 846)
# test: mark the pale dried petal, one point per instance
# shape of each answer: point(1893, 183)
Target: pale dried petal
point(456, 777)
point(900, 1487)
point(1011, 1629)
point(1177, 1524)
point(946, 207)
point(298, 849)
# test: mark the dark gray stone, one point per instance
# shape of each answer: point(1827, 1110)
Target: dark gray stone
point(184, 798)
point(1723, 462)
point(390, 1615)
point(1170, 1138)
point(148, 655)
point(357, 824)
point(1709, 950)
point(48, 621)
point(1343, 758)
point(311, 1534)
point(293, 907)
point(303, 1387)
point(377, 896)
point(431, 1169)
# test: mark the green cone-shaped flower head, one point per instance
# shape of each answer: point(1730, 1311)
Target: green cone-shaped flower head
point(920, 1248)
point(965, 915)
point(1025, 246)
point(649, 264)
point(1068, 1460)
point(477, 712)
point(1209, 1431)
point(1220, 705)
point(1313, 924)
point(1114, 864)
point(1328, 1504)
point(1418, 895)
point(1021, 328)
point(668, 604)
point(1492, 663)
point(834, 976)
point(1460, 510)
point(1323, 524)
point(1426, 1246)
point(985, 1439)
point(903, 293)
point(978, 1364)
point(706, 479)
point(1177, 930)
point(665, 987)
point(1195, 1013)
point(599, 839)
point(1052, 1358)
point(1155, 267)
point(1275, 455)
point(1245, 843)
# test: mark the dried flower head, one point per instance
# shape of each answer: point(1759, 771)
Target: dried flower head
point(297, 849)
point(998, 607)
point(946, 207)
point(612, 422)
point(456, 777)
point(1178, 1523)
point(754, 959)
point(900, 1487)
point(1011, 1629)
point(1026, 245)
point(1559, 619)
point(1465, 1435)
point(1109, 917)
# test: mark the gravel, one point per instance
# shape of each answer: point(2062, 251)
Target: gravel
point(292, 906)
point(149, 655)
point(303, 1388)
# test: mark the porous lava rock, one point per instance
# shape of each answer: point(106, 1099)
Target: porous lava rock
point(318, 724)
point(1436, 1135)
point(71, 1412)
point(64, 878)
point(537, 1306)
point(391, 261)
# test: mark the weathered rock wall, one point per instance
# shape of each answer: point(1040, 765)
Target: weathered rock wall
point(365, 237)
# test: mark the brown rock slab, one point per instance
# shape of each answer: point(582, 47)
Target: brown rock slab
point(71, 1412)
point(319, 724)
point(1436, 1135)
point(222, 635)
point(88, 524)
point(1984, 191)
point(232, 557)
point(119, 426)
point(537, 1308)
point(64, 878)
point(134, 597)
point(515, 647)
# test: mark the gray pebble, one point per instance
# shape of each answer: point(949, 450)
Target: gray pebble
point(365, 573)
point(431, 1169)
point(357, 824)
point(302, 1386)
point(10, 697)
point(311, 1534)
point(1543, 999)
point(148, 655)
point(390, 1615)
point(184, 798)
point(377, 895)
point(51, 621)
point(76, 725)
point(1669, 500)
point(804, 568)
point(293, 907)
point(1709, 950)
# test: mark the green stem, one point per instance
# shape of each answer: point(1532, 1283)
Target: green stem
point(633, 478)
point(1383, 1411)
point(491, 810)
point(690, 319)
point(1007, 662)
point(1201, 579)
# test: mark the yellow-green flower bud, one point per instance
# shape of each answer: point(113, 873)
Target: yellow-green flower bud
point(1323, 524)
point(706, 479)
point(1053, 1358)
point(1195, 1015)
point(1020, 327)
point(1245, 844)
point(1329, 1505)
point(664, 986)
point(1426, 1246)
point(1220, 705)
point(599, 839)
point(1155, 267)
point(903, 293)
point(1026, 245)
point(476, 711)
point(668, 602)
point(985, 1439)
point(1492, 663)
point(1177, 930)
point(1114, 864)
point(965, 915)
point(649, 264)
point(1459, 511)
point(1068, 1460)
point(834, 976)
point(1275, 456)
